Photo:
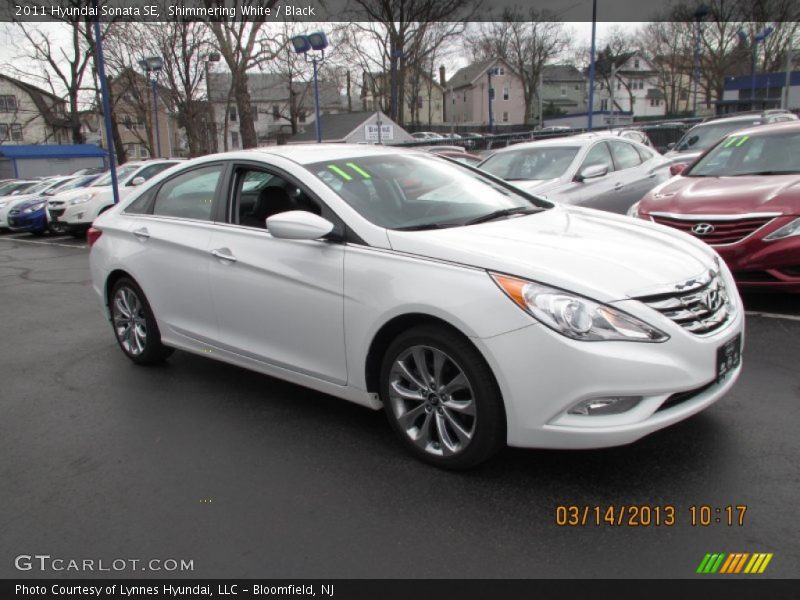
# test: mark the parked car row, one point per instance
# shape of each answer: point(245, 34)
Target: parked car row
point(69, 204)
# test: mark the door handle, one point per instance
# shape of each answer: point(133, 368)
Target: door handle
point(224, 254)
point(141, 233)
point(618, 186)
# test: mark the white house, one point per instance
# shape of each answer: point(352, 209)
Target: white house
point(629, 84)
point(31, 115)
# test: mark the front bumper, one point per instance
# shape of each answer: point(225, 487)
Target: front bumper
point(542, 375)
point(760, 265)
point(32, 222)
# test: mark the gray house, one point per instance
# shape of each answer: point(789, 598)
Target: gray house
point(564, 91)
point(276, 105)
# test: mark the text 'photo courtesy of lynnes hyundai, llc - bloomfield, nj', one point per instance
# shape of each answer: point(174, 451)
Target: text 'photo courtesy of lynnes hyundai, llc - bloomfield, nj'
point(447, 297)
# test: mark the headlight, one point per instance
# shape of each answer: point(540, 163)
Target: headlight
point(81, 199)
point(34, 208)
point(574, 316)
point(788, 230)
point(633, 211)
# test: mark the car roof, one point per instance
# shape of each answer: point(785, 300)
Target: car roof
point(770, 128)
point(305, 154)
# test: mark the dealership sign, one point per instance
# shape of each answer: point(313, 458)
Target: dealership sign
point(371, 132)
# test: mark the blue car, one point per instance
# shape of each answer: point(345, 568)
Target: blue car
point(31, 215)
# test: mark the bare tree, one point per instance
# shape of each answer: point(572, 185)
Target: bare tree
point(64, 67)
point(242, 48)
point(668, 47)
point(525, 40)
point(398, 36)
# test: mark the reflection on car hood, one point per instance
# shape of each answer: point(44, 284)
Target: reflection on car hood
point(725, 195)
point(591, 252)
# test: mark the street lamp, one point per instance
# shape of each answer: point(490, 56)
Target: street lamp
point(757, 38)
point(700, 14)
point(302, 45)
point(152, 69)
point(592, 66)
point(210, 146)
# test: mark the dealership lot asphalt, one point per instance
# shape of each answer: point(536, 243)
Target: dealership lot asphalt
point(250, 476)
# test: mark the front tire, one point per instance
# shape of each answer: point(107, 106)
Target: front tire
point(441, 398)
point(134, 325)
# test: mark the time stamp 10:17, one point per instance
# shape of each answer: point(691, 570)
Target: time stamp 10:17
point(645, 515)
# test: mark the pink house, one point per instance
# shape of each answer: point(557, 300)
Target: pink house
point(467, 95)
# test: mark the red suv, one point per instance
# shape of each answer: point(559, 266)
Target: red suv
point(743, 198)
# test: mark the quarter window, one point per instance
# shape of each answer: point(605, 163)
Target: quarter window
point(189, 195)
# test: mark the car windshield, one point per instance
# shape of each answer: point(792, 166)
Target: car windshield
point(41, 187)
point(760, 154)
point(542, 162)
point(706, 135)
point(419, 192)
point(122, 173)
point(79, 182)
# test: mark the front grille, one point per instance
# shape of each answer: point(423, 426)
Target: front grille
point(56, 212)
point(700, 305)
point(719, 231)
point(13, 213)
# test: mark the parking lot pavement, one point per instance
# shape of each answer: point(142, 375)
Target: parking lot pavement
point(249, 476)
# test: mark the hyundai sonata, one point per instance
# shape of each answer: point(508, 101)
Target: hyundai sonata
point(475, 314)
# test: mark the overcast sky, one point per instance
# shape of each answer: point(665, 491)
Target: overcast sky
point(12, 46)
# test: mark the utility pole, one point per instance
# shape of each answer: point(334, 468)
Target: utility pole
point(788, 83)
point(541, 97)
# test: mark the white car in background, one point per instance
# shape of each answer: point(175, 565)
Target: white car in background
point(474, 313)
point(40, 189)
point(73, 212)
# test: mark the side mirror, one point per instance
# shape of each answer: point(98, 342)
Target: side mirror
point(677, 168)
point(298, 225)
point(592, 172)
point(670, 146)
point(137, 181)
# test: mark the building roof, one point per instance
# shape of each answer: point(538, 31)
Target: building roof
point(51, 151)
point(467, 75)
point(337, 127)
point(273, 87)
point(553, 73)
point(39, 98)
point(763, 80)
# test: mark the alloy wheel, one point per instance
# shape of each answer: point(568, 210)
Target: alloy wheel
point(432, 400)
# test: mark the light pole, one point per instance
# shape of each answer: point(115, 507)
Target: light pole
point(757, 38)
point(317, 42)
point(490, 72)
point(209, 145)
point(785, 98)
point(700, 14)
point(591, 64)
point(152, 69)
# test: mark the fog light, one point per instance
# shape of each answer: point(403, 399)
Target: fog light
point(612, 405)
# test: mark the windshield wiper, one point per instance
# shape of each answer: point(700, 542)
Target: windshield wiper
point(425, 226)
point(504, 212)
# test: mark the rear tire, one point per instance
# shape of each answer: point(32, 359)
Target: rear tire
point(441, 398)
point(135, 325)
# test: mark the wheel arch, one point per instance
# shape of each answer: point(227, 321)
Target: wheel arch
point(391, 329)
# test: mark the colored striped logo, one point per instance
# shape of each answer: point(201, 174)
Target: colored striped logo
point(736, 562)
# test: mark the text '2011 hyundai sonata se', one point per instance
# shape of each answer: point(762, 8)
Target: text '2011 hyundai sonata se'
point(475, 314)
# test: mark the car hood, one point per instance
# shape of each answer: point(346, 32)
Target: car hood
point(725, 195)
point(69, 195)
point(605, 256)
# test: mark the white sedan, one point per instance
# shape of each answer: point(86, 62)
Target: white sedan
point(474, 314)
